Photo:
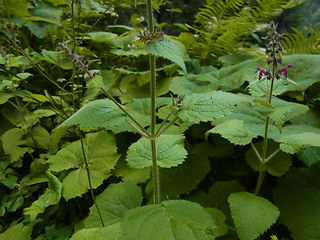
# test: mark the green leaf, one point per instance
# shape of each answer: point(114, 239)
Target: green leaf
point(101, 153)
point(102, 113)
point(294, 138)
point(169, 149)
point(51, 196)
point(218, 218)
point(12, 141)
point(135, 175)
point(208, 107)
point(17, 232)
point(112, 232)
point(101, 36)
point(235, 131)
point(309, 155)
point(252, 215)
point(182, 179)
point(172, 220)
point(297, 196)
point(40, 137)
point(276, 166)
point(219, 193)
point(167, 49)
point(113, 203)
point(35, 98)
point(58, 58)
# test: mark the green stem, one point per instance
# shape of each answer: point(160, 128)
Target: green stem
point(162, 130)
point(89, 179)
point(152, 62)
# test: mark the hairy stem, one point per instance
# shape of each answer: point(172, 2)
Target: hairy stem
point(152, 62)
point(89, 179)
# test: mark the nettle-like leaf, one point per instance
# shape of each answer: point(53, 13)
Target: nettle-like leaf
point(261, 88)
point(252, 215)
point(167, 49)
point(209, 106)
point(276, 166)
point(113, 203)
point(12, 141)
point(51, 196)
point(297, 196)
point(295, 137)
point(112, 232)
point(101, 153)
point(169, 149)
point(172, 220)
point(235, 131)
point(182, 179)
point(309, 155)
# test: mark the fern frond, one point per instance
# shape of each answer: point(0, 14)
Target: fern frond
point(298, 43)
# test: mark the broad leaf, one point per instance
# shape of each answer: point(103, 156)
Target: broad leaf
point(252, 215)
point(113, 203)
point(17, 232)
point(101, 153)
point(218, 218)
point(182, 179)
point(112, 232)
point(51, 196)
point(208, 107)
point(167, 49)
point(297, 196)
point(235, 131)
point(170, 152)
point(172, 220)
point(309, 155)
point(276, 166)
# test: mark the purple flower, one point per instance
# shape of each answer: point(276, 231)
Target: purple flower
point(285, 69)
point(264, 72)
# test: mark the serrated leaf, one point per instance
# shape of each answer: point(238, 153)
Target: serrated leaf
point(297, 196)
point(102, 113)
point(219, 193)
point(170, 152)
point(101, 153)
point(51, 196)
point(208, 107)
point(276, 166)
point(112, 232)
point(167, 49)
point(17, 232)
point(262, 87)
point(12, 141)
point(252, 215)
point(182, 179)
point(113, 203)
point(296, 139)
point(235, 131)
point(172, 220)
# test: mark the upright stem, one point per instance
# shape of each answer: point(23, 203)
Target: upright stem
point(152, 62)
point(89, 180)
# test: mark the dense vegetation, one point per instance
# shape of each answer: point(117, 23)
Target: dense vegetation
point(199, 121)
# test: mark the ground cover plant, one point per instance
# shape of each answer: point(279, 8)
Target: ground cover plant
point(111, 128)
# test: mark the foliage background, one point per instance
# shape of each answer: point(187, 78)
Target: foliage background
point(44, 192)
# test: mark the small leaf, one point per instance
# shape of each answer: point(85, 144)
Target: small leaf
point(167, 49)
point(169, 149)
point(218, 218)
point(252, 214)
point(112, 232)
point(113, 203)
point(297, 196)
point(172, 220)
point(235, 131)
point(36, 98)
